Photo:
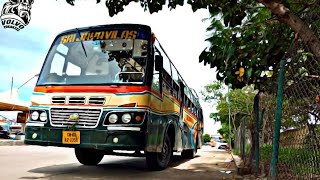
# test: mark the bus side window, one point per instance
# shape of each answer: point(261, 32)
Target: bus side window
point(156, 79)
point(185, 101)
point(175, 94)
point(189, 105)
point(175, 78)
point(175, 90)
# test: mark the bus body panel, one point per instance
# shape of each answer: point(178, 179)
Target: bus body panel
point(90, 138)
point(98, 136)
point(164, 111)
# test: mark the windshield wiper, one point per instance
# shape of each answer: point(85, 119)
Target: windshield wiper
point(84, 50)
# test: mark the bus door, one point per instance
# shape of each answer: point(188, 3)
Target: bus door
point(182, 105)
point(184, 133)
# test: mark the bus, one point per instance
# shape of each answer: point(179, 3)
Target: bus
point(109, 88)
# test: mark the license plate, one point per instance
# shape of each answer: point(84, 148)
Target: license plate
point(71, 137)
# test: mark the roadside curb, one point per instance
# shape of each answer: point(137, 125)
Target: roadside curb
point(241, 169)
point(10, 142)
point(237, 160)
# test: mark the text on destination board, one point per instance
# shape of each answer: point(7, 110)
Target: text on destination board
point(101, 35)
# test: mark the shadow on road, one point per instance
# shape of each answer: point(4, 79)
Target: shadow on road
point(133, 168)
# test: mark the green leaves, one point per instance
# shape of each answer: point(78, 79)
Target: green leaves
point(241, 104)
point(206, 138)
point(250, 44)
point(249, 72)
point(213, 92)
point(215, 25)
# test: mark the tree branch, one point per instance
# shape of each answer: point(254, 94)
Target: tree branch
point(314, 77)
point(296, 24)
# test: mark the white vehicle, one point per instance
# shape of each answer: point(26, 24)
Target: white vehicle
point(221, 144)
point(218, 142)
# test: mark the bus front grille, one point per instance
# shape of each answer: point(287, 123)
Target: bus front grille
point(84, 118)
point(77, 100)
point(58, 100)
point(97, 100)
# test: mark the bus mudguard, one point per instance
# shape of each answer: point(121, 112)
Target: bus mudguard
point(157, 127)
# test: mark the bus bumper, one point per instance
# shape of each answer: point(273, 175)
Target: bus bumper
point(89, 138)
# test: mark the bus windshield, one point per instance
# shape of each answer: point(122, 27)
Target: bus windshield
point(76, 59)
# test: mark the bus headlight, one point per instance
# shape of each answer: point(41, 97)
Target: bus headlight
point(126, 118)
point(35, 115)
point(43, 116)
point(113, 118)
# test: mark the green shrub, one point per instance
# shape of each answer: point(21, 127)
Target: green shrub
point(299, 160)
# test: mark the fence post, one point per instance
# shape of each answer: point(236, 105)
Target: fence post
point(277, 124)
point(243, 138)
point(257, 152)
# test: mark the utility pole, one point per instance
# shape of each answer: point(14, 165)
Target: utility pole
point(228, 101)
point(11, 87)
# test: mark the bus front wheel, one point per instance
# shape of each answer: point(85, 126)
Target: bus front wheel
point(159, 161)
point(88, 156)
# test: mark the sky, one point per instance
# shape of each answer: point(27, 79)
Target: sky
point(181, 32)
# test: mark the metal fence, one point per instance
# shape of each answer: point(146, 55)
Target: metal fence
point(298, 154)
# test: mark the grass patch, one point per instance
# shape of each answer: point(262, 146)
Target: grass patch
point(236, 152)
point(300, 161)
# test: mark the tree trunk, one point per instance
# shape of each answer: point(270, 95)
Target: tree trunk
point(234, 124)
point(296, 24)
point(252, 149)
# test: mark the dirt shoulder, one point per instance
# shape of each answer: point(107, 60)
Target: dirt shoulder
point(210, 163)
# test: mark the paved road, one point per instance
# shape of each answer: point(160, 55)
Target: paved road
point(35, 162)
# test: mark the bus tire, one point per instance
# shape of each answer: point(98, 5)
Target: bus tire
point(160, 161)
point(88, 157)
point(188, 153)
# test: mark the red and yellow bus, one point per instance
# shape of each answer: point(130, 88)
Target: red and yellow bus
point(113, 87)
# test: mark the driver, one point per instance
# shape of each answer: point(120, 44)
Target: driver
point(130, 65)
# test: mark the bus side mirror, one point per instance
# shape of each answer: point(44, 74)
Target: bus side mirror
point(158, 63)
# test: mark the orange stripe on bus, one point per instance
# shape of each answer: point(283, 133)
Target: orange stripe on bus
point(106, 89)
point(156, 93)
point(191, 114)
point(34, 103)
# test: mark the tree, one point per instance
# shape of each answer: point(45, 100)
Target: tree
point(241, 105)
point(206, 138)
point(241, 110)
point(213, 92)
point(243, 45)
